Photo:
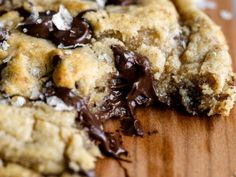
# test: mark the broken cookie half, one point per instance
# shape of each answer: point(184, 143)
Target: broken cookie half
point(69, 65)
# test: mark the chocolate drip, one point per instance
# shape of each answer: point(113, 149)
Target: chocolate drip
point(133, 86)
point(121, 2)
point(43, 27)
point(109, 144)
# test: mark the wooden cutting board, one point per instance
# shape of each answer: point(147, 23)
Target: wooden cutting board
point(180, 145)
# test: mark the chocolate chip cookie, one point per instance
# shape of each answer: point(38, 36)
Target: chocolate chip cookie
point(67, 66)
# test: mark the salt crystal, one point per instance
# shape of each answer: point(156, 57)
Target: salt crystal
point(101, 3)
point(226, 15)
point(63, 19)
point(39, 21)
point(35, 14)
point(205, 4)
point(4, 45)
point(35, 94)
point(68, 52)
point(58, 104)
point(18, 101)
point(105, 57)
point(25, 30)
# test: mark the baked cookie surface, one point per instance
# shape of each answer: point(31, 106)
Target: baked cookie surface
point(69, 65)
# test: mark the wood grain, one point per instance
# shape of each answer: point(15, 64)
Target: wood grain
point(183, 146)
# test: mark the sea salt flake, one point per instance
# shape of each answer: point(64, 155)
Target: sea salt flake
point(63, 19)
point(58, 104)
point(49, 84)
point(101, 3)
point(35, 94)
point(68, 52)
point(39, 21)
point(18, 101)
point(25, 30)
point(226, 15)
point(105, 57)
point(4, 45)
point(205, 4)
point(34, 14)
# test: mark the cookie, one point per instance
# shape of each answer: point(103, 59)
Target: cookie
point(69, 65)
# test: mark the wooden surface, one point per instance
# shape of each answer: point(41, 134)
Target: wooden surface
point(183, 146)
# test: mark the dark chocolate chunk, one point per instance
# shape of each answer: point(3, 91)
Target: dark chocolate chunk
point(3, 34)
point(109, 144)
point(40, 26)
point(43, 27)
point(121, 2)
point(133, 86)
point(80, 33)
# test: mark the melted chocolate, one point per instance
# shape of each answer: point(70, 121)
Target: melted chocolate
point(43, 27)
point(109, 144)
point(3, 34)
point(80, 33)
point(40, 27)
point(133, 86)
point(121, 2)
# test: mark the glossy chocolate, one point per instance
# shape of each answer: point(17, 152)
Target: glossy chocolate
point(43, 27)
point(80, 33)
point(40, 27)
point(109, 144)
point(133, 86)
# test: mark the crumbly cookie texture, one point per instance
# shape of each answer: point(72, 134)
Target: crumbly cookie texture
point(41, 141)
point(189, 60)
